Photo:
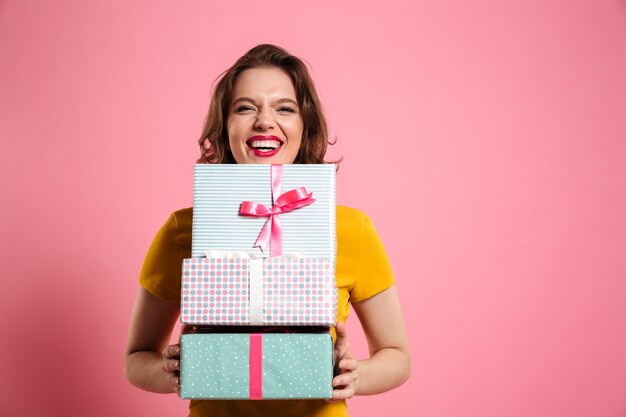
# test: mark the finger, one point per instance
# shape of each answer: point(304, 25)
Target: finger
point(341, 345)
point(348, 363)
point(342, 332)
point(340, 328)
point(343, 394)
point(172, 351)
point(345, 379)
point(174, 382)
point(171, 365)
point(345, 363)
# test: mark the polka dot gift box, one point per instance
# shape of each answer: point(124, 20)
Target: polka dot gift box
point(256, 366)
point(278, 291)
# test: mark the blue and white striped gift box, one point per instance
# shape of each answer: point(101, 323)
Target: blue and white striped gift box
point(219, 190)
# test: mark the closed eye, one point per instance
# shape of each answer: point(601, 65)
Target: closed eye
point(242, 109)
point(286, 109)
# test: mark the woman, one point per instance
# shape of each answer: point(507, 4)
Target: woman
point(265, 110)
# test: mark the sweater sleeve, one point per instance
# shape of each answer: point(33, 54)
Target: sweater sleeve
point(161, 271)
point(373, 270)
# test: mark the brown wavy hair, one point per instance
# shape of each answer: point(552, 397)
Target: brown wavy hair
point(214, 139)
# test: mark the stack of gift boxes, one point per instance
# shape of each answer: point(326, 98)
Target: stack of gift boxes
point(259, 289)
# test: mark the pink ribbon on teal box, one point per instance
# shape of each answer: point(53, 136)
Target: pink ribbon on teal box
point(272, 232)
point(256, 366)
point(273, 365)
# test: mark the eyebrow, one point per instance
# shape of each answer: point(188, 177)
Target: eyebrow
point(279, 101)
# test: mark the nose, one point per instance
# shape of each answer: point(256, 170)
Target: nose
point(263, 121)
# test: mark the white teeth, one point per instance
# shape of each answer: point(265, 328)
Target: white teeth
point(273, 144)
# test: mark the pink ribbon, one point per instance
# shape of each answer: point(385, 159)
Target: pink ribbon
point(256, 366)
point(272, 232)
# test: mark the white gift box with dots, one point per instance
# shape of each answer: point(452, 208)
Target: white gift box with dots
point(292, 291)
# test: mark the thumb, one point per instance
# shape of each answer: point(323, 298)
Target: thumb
point(342, 337)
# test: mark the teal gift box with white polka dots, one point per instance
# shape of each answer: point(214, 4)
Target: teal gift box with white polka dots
point(256, 366)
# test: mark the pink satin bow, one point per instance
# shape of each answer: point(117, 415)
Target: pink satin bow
point(272, 232)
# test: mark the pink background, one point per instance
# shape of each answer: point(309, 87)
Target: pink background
point(487, 141)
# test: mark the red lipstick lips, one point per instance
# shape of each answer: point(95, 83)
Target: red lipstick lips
point(264, 146)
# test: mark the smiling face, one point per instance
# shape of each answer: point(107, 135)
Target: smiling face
point(264, 124)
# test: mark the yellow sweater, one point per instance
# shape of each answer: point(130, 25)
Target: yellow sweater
point(362, 270)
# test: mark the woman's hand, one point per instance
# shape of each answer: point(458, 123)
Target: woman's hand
point(149, 363)
point(171, 361)
point(346, 366)
point(171, 365)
